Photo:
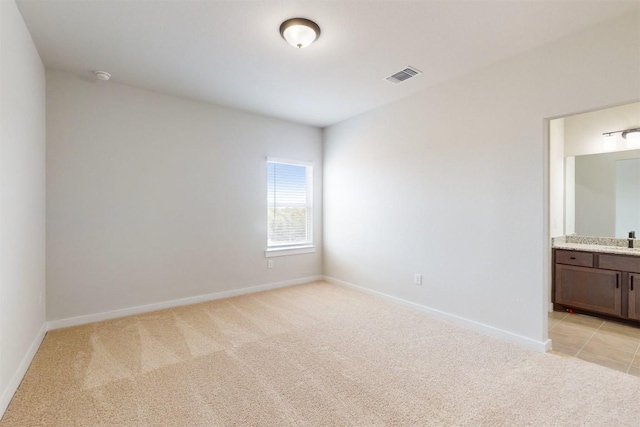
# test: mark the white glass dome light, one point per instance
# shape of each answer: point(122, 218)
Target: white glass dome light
point(632, 136)
point(299, 32)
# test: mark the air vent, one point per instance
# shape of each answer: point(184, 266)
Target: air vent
point(403, 75)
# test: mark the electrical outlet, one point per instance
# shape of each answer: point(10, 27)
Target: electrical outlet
point(417, 279)
point(270, 263)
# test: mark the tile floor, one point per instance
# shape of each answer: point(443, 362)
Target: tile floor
point(607, 343)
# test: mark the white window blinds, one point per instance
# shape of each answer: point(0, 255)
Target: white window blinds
point(289, 203)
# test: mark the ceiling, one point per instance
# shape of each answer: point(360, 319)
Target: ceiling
point(230, 53)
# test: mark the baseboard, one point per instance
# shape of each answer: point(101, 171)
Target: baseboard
point(539, 346)
point(91, 318)
point(18, 375)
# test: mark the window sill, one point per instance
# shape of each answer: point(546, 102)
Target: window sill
point(288, 250)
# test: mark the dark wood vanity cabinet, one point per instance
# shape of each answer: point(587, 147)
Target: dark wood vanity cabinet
point(596, 282)
point(634, 296)
point(589, 289)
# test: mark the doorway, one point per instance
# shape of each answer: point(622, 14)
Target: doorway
point(586, 164)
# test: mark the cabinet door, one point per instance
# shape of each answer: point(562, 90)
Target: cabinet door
point(634, 296)
point(589, 289)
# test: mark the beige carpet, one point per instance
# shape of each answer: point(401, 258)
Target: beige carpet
point(310, 355)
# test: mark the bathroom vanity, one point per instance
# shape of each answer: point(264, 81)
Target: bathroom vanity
point(598, 279)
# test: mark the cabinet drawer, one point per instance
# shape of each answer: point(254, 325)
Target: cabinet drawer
point(582, 259)
point(619, 262)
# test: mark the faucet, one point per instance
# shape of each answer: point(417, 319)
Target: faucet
point(632, 235)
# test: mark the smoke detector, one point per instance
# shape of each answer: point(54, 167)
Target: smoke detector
point(102, 75)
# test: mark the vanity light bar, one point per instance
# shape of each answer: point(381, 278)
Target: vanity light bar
point(624, 132)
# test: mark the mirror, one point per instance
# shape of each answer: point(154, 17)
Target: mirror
point(607, 193)
point(593, 184)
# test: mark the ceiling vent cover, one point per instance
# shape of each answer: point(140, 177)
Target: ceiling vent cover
point(403, 75)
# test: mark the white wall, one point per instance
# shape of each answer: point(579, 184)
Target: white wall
point(452, 182)
point(556, 177)
point(152, 198)
point(22, 200)
point(556, 187)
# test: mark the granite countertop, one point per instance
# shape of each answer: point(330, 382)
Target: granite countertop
point(597, 248)
point(596, 244)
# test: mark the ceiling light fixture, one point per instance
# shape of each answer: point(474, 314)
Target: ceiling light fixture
point(102, 75)
point(299, 32)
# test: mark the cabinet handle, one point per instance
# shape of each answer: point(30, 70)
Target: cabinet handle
point(572, 257)
point(617, 280)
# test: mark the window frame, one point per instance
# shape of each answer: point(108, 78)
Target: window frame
point(297, 248)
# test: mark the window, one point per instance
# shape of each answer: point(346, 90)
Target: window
point(289, 206)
